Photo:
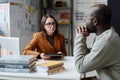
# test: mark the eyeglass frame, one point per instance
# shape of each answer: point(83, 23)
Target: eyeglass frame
point(88, 17)
point(51, 24)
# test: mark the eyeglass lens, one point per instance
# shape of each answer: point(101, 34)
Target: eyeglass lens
point(49, 23)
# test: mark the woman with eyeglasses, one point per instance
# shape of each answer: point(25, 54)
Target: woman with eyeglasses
point(47, 41)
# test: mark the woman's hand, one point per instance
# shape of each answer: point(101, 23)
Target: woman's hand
point(44, 56)
point(60, 53)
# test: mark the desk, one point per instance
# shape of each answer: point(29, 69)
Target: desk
point(69, 74)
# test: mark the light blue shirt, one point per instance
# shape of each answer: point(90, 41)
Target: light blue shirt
point(104, 56)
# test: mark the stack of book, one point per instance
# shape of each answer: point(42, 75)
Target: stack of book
point(19, 64)
point(50, 67)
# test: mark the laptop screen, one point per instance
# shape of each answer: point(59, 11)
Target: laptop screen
point(9, 46)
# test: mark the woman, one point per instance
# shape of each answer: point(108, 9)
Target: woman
point(47, 41)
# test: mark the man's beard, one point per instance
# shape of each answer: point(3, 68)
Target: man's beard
point(92, 29)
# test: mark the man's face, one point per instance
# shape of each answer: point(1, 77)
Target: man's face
point(89, 22)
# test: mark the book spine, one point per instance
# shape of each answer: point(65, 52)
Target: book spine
point(50, 64)
point(54, 66)
point(17, 61)
point(46, 69)
point(16, 66)
point(23, 61)
point(15, 70)
point(14, 61)
point(50, 67)
point(56, 70)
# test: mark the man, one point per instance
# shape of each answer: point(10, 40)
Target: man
point(104, 56)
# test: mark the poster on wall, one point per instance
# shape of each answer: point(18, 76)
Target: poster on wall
point(4, 20)
point(81, 7)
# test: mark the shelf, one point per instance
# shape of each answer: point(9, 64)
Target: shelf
point(58, 8)
point(63, 23)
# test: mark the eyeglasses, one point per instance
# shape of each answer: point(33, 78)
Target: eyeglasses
point(51, 24)
point(88, 17)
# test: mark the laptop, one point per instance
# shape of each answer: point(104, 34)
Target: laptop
point(9, 46)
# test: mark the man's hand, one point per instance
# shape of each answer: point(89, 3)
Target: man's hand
point(82, 30)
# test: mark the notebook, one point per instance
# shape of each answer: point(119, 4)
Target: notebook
point(9, 46)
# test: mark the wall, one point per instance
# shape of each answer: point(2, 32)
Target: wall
point(24, 20)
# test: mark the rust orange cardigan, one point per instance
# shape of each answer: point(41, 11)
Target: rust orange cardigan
point(42, 45)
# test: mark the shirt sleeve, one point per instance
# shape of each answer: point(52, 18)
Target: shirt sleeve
point(86, 61)
point(30, 48)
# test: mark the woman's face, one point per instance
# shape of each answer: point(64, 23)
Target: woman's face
point(50, 26)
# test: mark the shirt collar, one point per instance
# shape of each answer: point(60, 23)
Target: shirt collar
point(107, 33)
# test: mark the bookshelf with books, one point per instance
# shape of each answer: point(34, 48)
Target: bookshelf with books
point(62, 11)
